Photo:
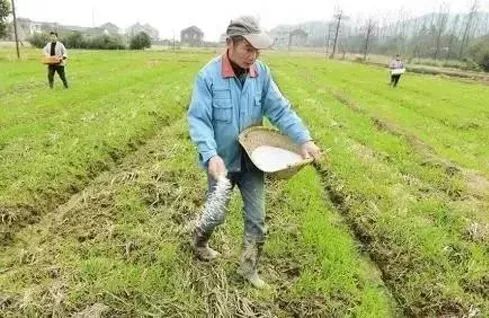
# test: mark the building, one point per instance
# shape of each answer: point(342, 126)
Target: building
point(297, 37)
point(192, 36)
point(26, 28)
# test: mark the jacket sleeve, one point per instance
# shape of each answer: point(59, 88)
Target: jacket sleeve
point(280, 113)
point(64, 52)
point(199, 119)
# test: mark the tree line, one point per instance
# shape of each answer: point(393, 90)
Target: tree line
point(439, 36)
point(78, 40)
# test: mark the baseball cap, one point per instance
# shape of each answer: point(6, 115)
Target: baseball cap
point(249, 28)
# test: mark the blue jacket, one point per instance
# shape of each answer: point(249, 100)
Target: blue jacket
point(221, 108)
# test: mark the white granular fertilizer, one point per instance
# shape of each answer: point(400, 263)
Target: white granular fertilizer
point(272, 159)
point(215, 206)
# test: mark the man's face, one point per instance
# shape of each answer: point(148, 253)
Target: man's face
point(54, 38)
point(242, 53)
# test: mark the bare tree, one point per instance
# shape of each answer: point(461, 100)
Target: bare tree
point(344, 44)
point(328, 40)
point(440, 27)
point(369, 30)
point(419, 34)
point(454, 31)
point(338, 17)
point(401, 30)
point(382, 28)
point(469, 25)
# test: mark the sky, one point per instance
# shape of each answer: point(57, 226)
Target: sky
point(212, 16)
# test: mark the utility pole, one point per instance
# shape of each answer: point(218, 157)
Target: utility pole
point(15, 30)
point(338, 16)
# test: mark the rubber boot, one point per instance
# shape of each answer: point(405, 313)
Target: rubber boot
point(248, 267)
point(200, 245)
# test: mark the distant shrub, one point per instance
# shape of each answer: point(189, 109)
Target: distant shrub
point(484, 62)
point(140, 41)
point(466, 64)
point(74, 40)
point(39, 40)
point(470, 65)
point(480, 53)
point(106, 42)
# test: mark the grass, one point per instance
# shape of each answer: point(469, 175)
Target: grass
point(100, 181)
point(463, 65)
point(413, 216)
point(132, 254)
point(53, 142)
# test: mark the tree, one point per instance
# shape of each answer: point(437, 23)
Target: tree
point(369, 29)
point(401, 30)
point(440, 27)
point(419, 41)
point(39, 40)
point(469, 25)
point(4, 13)
point(74, 40)
point(453, 36)
point(328, 40)
point(140, 41)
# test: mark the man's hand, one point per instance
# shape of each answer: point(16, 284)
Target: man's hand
point(309, 149)
point(216, 167)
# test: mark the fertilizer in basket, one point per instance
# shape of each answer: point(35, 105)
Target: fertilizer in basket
point(215, 206)
point(272, 159)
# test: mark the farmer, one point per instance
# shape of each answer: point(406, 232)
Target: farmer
point(397, 68)
point(231, 93)
point(56, 48)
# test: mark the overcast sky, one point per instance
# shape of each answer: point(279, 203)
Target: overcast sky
point(212, 16)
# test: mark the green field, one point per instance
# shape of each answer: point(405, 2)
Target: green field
point(99, 182)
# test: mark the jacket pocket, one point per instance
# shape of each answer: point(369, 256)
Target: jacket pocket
point(257, 101)
point(222, 110)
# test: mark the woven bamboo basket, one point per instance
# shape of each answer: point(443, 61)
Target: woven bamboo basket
point(50, 60)
point(257, 136)
point(397, 71)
